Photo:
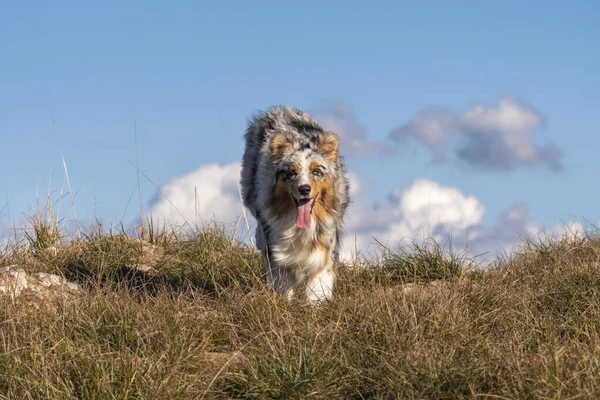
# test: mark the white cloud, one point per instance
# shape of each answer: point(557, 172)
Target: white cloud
point(508, 116)
point(425, 209)
point(511, 227)
point(570, 230)
point(493, 137)
point(210, 193)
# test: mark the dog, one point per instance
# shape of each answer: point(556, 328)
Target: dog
point(295, 185)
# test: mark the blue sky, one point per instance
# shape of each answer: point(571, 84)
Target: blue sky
point(192, 72)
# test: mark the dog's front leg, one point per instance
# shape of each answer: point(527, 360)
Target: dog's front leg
point(320, 285)
point(282, 281)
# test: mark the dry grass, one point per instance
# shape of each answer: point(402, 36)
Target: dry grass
point(202, 325)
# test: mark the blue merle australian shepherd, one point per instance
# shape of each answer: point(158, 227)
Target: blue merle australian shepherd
point(295, 185)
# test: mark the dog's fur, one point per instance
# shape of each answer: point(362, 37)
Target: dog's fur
point(286, 149)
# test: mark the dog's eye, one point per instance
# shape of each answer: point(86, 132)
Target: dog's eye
point(317, 172)
point(291, 174)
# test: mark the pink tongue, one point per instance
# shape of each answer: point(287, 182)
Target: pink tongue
point(303, 217)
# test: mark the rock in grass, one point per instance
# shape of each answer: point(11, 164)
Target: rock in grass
point(14, 282)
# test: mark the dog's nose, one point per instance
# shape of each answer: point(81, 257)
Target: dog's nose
point(304, 190)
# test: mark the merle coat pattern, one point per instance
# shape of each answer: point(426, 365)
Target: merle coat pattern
point(293, 255)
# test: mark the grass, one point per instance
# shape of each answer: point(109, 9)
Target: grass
point(202, 324)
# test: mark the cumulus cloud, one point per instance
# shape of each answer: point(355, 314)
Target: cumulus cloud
point(512, 226)
point(340, 118)
point(430, 127)
point(420, 207)
point(424, 209)
point(508, 230)
point(410, 215)
point(210, 193)
point(492, 137)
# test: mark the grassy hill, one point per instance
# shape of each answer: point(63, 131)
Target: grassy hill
point(189, 318)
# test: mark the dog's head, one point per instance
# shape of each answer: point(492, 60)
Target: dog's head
point(305, 169)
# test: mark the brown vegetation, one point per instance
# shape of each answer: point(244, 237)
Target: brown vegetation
point(191, 318)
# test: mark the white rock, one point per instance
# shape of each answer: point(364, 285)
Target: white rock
point(73, 287)
point(6, 269)
point(48, 279)
point(14, 280)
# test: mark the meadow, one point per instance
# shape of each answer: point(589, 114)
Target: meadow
point(164, 315)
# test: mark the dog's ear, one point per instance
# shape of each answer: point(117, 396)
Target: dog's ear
point(280, 143)
point(328, 143)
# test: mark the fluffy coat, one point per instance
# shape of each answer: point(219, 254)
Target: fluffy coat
point(295, 185)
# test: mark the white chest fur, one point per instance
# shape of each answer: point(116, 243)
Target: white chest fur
point(297, 248)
